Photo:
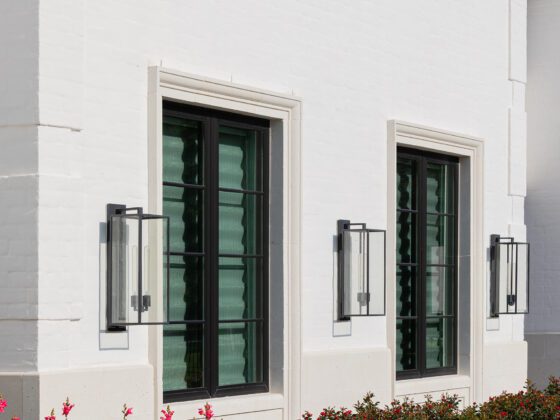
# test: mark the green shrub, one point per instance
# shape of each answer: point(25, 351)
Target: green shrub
point(528, 404)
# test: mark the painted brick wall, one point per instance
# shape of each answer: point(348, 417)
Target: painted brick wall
point(543, 198)
point(458, 67)
point(543, 155)
point(18, 185)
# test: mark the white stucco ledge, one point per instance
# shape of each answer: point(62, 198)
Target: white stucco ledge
point(436, 385)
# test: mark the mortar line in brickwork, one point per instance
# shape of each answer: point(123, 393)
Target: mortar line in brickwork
point(65, 127)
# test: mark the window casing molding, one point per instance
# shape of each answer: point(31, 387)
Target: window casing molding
point(470, 151)
point(284, 113)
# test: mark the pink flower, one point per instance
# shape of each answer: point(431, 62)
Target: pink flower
point(3, 404)
point(67, 407)
point(52, 416)
point(167, 414)
point(207, 411)
point(126, 411)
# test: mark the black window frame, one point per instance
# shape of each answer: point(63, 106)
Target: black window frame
point(211, 119)
point(422, 158)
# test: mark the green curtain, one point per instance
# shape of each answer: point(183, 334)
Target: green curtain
point(237, 275)
point(440, 184)
point(239, 215)
point(183, 344)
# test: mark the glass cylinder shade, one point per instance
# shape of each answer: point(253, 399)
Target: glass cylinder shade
point(510, 276)
point(361, 270)
point(138, 267)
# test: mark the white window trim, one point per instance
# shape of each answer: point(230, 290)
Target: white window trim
point(285, 110)
point(425, 138)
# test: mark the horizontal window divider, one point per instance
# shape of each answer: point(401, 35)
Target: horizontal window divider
point(441, 265)
point(187, 322)
point(404, 317)
point(407, 211)
point(186, 253)
point(240, 321)
point(408, 264)
point(240, 255)
point(185, 395)
point(240, 191)
point(435, 213)
point(439, 316)
point(249, 388)
point(183, 185)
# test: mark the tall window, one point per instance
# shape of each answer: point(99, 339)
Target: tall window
point(426, 264)
point(215, 191)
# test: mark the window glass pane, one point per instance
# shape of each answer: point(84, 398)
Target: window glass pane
point(439, 342)
point(440, 188)
point(238, 158)
point(406, 344)
point(406, 183)
point(240, 353)
point(182, 150)
point(238, 227)
point(184, 208)
point(239, 288)
point(183, 349)
point(186, 288)
point(406, 237)
point(439, 291)
point(440, 239)
point(406, 291)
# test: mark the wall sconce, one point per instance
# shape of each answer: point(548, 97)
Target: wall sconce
point(361, 270)
point(137, 267)
point(509, 265)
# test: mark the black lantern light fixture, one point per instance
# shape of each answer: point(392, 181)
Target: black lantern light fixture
point(137, 267)
point(509, 264)
point(361, 270)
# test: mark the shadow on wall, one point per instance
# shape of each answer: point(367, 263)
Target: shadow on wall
point(544, 357)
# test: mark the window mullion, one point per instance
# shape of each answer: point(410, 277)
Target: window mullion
point(422, 227)
point(212, 238)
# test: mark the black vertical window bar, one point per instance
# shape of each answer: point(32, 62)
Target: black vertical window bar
point(140, 301)
point(516, 273)
point(366, 255)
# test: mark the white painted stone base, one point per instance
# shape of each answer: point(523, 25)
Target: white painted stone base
point(544, 356)
point(99, 393)
point(342, 377)
point(504, 367)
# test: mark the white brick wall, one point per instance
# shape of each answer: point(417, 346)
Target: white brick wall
point(355, 69)
point(543, 201)
point(18, 184)
point(458, 67)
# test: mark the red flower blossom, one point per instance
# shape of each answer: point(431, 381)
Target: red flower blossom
point(207, 411)
point(52, 416)
point(67, 407)
point(167, 414)
point(3, 404)
point(126, 411)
